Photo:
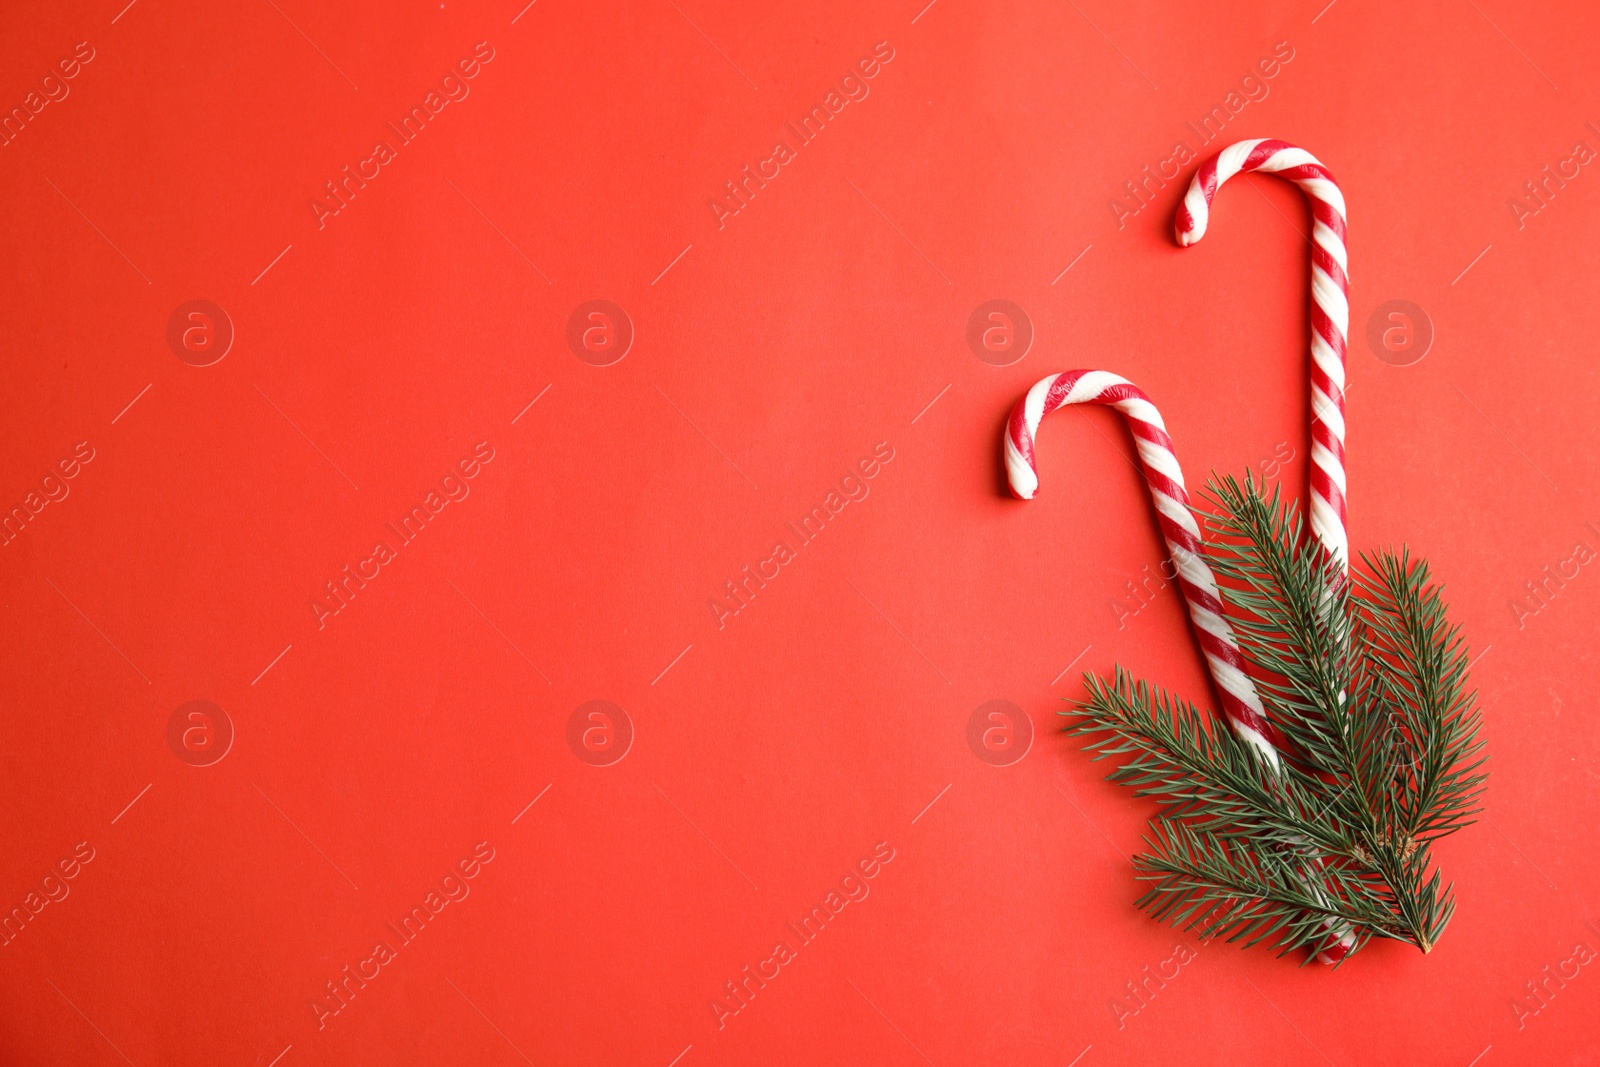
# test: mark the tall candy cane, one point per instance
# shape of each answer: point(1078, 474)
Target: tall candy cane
point(1159, 464)
point(1330, 326)
point(1330, 307)
point(1240, 704)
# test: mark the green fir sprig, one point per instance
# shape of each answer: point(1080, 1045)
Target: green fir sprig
point(1364, 676)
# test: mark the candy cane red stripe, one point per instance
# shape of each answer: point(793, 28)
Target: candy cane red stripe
point(1330, 310)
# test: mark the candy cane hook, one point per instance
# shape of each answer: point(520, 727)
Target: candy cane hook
point(1330, 307)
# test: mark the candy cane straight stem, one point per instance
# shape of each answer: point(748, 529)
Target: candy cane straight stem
point(1330, 307)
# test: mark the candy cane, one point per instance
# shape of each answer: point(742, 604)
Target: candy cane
point(1330, 307)
point(1330, 325)
point(1157, 461)
point(1159, 464)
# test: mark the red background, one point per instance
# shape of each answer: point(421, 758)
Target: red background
point(776, 751)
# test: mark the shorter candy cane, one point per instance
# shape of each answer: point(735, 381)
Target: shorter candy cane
point(1159, 464)
point(1240, 703)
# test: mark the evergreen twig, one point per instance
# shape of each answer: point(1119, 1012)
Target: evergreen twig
point(1364, 676)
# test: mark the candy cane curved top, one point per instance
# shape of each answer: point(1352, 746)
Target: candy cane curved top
point(1330, 307)
point(1159, 464)
point(1241, 704)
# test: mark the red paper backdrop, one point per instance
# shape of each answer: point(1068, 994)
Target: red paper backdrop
point(821, 733)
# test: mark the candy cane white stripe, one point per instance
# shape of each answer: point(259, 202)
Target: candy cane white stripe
point(1320, 454)
point(1160, 459)
point(1210, 622)
point(1178, 512)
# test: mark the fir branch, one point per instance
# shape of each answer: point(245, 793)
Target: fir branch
point(1198, 771)
point(1221, 887)
point(1423, 660)
point(1365, 680)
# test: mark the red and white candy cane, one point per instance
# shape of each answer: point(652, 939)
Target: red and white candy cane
point(1330, 326)
point(1159, 464)
point(1330, 307)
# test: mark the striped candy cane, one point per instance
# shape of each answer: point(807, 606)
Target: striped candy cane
point(1159, 464)
point(1330, 326)
point(1157, 461)
point(1330, 307)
